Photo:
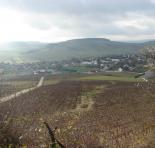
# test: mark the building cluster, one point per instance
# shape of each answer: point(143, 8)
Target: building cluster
point(117, 63)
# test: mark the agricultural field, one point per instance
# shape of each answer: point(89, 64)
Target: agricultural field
point(106, 76)
point(87, 113)
point(10, 85)
point(111, 78)
point(115, 76)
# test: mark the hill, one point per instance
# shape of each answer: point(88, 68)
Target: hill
point(36, 51)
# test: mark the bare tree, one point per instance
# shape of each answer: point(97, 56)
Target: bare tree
point(54, 141)
point(149, 53)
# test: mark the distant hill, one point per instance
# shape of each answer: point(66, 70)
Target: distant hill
point(80, 48)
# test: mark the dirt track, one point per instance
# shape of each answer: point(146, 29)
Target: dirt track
point(87, 101)
point(24, 91)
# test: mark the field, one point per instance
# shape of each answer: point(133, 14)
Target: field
point(115, 76)
point(87, 113)
point(108, 76)
point(10, 85)
point(111, 78)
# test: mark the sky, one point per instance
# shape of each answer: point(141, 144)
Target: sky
point(60, 20)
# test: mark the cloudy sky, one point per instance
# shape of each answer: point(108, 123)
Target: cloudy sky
point(58, 20)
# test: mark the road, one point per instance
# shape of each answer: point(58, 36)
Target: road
point(24, 91)
point(41, 81)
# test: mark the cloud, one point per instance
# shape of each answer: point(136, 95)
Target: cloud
point(56, 20)
point(79, 7)
point(152, 1)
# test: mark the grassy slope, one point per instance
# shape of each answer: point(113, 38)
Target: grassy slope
point(83, 48)
point(78, 48)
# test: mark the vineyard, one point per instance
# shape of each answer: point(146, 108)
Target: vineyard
point(91, 114)
point(15, 84)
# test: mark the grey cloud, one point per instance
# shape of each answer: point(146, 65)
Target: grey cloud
point(79, 6)
point(85, 18)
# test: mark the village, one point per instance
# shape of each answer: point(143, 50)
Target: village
point(112, 63)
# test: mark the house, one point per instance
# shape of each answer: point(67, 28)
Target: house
point(86, 63)
point(104, 61)
point(42, 71)
point(126, 67)
point(115, 60)
point(120, 69)
point(105, 68)
point(94, 62)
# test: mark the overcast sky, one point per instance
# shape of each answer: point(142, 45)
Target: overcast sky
point(58, 20)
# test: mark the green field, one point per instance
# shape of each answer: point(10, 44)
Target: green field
point(78, 69)
point(113, 77)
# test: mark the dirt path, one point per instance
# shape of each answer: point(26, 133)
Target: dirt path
point(24, 91)
point(41, 81)
point(87, 101)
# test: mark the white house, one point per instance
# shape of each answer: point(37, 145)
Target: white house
point(120, 69)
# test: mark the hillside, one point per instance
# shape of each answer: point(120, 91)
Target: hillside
point(36, 51)
point(90, 114)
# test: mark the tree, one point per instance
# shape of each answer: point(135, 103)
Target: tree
point(149, 53)
point(99, 63)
